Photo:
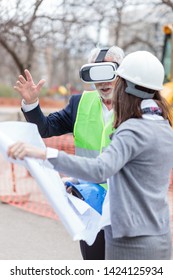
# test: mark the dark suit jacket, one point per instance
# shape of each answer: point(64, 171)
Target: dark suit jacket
point(57, 123)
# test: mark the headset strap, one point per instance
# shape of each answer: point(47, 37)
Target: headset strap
point(131, 89)
point(101, 55)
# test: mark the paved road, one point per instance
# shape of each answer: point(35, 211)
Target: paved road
point(25, 236)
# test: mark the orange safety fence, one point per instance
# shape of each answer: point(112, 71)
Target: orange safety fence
point(18, 188)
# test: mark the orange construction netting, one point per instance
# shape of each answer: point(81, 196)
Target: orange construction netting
point(18, 188)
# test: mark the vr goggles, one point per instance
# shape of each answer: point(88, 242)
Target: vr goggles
point(98, 72)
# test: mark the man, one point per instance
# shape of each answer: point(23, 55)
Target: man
point(88, 116)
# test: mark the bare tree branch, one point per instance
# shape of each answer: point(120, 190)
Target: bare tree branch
point(169, 3)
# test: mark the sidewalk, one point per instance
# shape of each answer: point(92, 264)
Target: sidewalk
point(25, 236)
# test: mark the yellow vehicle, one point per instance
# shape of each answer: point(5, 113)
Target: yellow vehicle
point(167, 60)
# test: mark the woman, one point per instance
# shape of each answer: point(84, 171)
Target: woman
point(137, 163)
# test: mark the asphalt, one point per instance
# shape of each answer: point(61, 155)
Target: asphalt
point(26, 236)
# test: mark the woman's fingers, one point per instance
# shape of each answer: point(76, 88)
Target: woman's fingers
point(21, 150)
point(14, 150)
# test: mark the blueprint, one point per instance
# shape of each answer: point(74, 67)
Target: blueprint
point(80, 220)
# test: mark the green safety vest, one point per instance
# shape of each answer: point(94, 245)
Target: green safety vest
point(91, 135)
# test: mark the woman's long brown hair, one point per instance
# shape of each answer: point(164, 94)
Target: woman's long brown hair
point(127, 106)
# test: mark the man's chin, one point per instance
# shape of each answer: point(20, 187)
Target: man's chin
point(106, 96)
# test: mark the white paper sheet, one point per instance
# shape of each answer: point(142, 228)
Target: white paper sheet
point(81, 221)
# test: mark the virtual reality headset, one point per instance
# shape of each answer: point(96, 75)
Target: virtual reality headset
point(98, 72)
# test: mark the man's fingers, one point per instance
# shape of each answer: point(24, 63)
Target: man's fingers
point(22, 79)
point(19, 84)
point(17, 89)
point(40, 84)
point(28, 76)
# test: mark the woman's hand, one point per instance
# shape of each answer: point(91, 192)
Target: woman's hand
point(21, 150)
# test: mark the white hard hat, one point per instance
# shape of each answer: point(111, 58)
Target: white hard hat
point(143, 69)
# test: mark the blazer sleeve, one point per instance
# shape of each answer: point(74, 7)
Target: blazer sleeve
point(57, 123)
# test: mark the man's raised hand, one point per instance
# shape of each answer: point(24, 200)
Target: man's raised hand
point(28, 90)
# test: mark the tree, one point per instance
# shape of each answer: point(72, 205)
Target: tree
point(54, 40)
point(168, 3)
point(23, 26)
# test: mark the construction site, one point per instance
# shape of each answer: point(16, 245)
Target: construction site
point(30, 229)
point(53, 42)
